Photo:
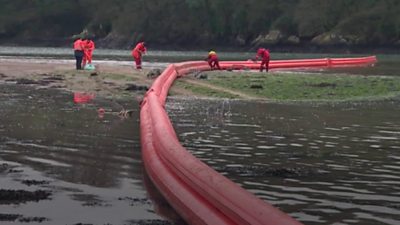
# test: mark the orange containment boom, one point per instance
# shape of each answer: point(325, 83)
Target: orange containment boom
point(197, 192)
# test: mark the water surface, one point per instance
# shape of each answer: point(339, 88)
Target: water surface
point(90, 165)
point(320, 163)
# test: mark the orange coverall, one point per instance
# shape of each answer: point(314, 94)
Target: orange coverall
point(213, 61)
point(88, 50)
point(137, 54)
point(78, 52)
point(265, 57)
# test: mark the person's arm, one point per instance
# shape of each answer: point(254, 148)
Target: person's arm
point(83, 46)
point(93, 46)
point(256, 58)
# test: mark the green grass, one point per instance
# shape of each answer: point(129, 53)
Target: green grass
point(202, 91)
point(114, 76)
point(282, 86)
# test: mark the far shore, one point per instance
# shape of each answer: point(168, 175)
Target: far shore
point(282, 48)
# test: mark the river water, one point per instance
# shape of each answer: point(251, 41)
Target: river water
point(91, 165)
point(322, 163)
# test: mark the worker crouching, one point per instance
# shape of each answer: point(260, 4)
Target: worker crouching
point(213, 61)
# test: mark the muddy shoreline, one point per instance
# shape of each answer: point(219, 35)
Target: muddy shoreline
point(106, 80)
point(37, 190)
point(34, 191)
point(14, 197)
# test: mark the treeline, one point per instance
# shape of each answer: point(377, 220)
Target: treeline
point(119, 23)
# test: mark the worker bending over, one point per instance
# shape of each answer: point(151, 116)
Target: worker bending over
point(213, 61)
point(137, 53)
point(264, 55)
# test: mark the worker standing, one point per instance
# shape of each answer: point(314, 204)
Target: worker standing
point(88, 51)
point(78, 52)
point(213, 61)
point(137, 53)
point(265, 57)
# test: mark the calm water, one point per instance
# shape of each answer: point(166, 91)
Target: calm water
point(321, 163)
point(91, 165)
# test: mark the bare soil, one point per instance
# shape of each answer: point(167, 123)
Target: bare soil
point(109, 80)
point(105, 80)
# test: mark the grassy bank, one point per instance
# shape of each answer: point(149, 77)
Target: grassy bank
point(291, 86)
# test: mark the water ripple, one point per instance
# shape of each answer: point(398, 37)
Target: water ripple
point(47, 161)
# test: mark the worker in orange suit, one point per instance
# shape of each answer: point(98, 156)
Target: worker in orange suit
point(137, 53)
point(88, 51)
point(78, 52)
point(265, 57)
point(213, 61)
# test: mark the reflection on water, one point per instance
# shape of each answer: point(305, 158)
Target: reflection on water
point(83, 97)
point(90, 165)
point(322, 164)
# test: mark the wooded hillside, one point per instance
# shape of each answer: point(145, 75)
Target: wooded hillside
point(119, 23)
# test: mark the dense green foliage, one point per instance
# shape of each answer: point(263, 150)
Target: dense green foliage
point(204, 22)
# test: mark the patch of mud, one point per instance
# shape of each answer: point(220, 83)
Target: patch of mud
point(323, 85)
point(25, 81)
point(59, 86)
point(139, 222)
point(15, 171)
point(136, 201)
point(21, 218)
point(90, 200)
point(201, 76)
point(154, 73)
point(34, 182)
point(88, 224)
point(259, 171)
point(136, 87)
point(6, 168)
point(238, 67)
point(48, 80)
point(109, 83)
point(54, 78)
point(21, 196)
point(150, 222)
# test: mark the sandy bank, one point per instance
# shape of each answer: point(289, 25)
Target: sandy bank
point(109, 78)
